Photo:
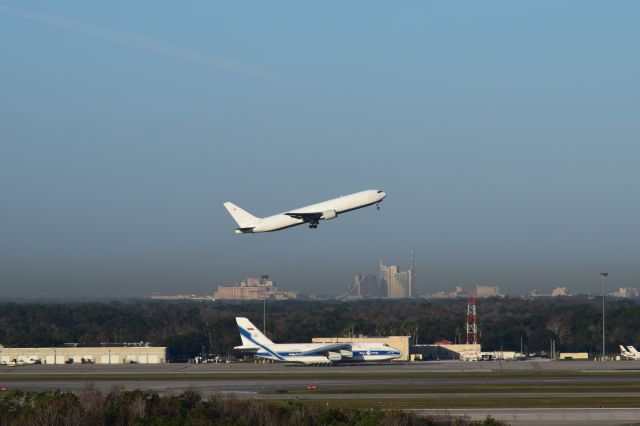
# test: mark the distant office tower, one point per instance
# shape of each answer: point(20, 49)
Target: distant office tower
point(396, 284)
point(253, 288)
point(365, 285)
point(625, 292)
point(487, 291)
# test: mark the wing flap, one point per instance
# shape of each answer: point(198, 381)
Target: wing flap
point(305, 216)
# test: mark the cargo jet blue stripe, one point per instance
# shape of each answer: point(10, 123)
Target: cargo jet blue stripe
point(246, 334)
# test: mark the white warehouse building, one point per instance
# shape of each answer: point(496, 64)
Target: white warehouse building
point(84, 355)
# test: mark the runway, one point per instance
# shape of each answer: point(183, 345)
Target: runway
point(431, 366)
point(519, 392)
point(252, 377)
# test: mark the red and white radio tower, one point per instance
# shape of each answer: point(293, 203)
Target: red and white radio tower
point(472, 320)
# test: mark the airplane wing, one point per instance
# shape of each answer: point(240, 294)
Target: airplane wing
point(328, 347)
point(307, 217)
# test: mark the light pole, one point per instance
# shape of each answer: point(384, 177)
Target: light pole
point(264, 316)
point(604, 278)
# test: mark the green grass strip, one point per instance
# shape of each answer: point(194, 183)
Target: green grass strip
point(476, 402)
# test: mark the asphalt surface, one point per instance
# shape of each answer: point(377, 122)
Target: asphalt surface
point(202, 377)
point(441, 366)
point(547, 416)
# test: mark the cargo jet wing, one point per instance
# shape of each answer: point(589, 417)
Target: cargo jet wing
point(307, 217)
point(327, 348)
point(312, 218)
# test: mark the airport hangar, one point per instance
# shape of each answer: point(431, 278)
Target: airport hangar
point(135, 354)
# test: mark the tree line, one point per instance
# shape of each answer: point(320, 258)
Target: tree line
point(124, 408)
point(186, 328)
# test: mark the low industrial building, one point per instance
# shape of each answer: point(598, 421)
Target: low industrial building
point(446, 351)
point(253, 288)
point(85, 355)
point(399, 342)
point(574, 355)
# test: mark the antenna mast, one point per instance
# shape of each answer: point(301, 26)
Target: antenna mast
point(413, 274)
point(472, 321)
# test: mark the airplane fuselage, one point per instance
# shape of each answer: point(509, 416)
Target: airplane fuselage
point(303, 353)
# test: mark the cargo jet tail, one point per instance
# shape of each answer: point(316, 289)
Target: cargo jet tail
point(252, 337)
point(629, 352)
point(245, 220)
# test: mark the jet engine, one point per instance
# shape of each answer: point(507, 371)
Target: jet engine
point(334, 356)
point(329, 214)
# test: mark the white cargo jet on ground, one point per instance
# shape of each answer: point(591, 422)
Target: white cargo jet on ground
point(254, 342)
point(247, 223)
point(631, 353)
point(625, 353)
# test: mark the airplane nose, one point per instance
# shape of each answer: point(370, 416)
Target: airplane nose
point(383, 195)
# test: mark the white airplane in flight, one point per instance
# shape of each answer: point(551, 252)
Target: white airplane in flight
point(256, 343)
point(313, 214)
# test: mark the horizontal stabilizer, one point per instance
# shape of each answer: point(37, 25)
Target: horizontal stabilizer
point(247, 348)
point(244, 230)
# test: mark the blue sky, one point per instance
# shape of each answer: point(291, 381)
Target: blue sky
point(505, 134)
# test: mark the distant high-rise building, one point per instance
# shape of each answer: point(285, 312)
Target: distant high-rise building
point(365, 286)
point(396, 284)
point(487, 291)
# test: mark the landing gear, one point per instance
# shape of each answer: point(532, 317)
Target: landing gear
point(313, 225)
point(377, 206)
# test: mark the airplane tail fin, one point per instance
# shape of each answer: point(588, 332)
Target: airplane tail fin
point(251, 335)
point(243, 218)
point(622, 349)
point(632, 349)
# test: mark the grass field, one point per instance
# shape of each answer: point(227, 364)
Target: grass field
point(557, 388)
point(477, 402)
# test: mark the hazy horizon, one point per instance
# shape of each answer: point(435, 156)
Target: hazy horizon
point(505, 135)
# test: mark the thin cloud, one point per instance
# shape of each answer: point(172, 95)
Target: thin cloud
point(145, 43)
